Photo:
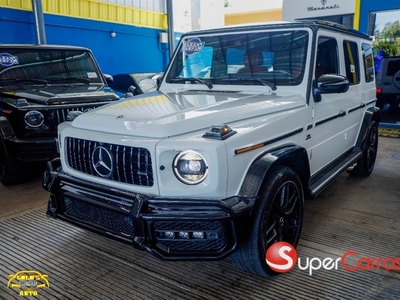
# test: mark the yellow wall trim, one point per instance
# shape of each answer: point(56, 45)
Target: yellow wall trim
point(95, 10)
point(254, 16)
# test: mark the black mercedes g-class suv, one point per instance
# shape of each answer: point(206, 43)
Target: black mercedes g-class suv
point(39, 85)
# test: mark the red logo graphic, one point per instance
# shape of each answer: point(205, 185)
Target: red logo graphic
point(281, 257)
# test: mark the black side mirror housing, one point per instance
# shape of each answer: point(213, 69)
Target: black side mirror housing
point(329, 84)
point(109, 79)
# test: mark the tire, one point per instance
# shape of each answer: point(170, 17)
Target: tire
point(366, 163)
point(9, 168)
point(274, 220)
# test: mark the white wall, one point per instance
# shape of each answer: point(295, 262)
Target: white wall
point(307, 9)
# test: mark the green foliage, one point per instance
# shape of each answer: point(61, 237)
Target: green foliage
point(388, 39)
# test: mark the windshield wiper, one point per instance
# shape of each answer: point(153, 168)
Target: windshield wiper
point(72, 79)
point(259, 80)
point(183, 79)
point(21, 80)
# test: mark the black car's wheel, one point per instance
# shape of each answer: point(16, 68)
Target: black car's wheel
point(366, 164)
point(278, 216)
point(9, 168)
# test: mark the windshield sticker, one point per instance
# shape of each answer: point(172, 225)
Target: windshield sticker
point(7, 60)
point(92, 74)
point(192, 46)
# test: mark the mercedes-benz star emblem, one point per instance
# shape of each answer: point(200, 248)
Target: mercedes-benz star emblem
point(102, 161)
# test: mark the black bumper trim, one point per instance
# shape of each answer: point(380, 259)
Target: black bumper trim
point(231, 215)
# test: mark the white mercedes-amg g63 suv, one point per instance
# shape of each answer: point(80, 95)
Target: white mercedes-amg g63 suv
point(246, 123)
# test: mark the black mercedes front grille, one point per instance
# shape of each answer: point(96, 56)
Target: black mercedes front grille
point(60, 115)
point(110, 219)
point(127, 164)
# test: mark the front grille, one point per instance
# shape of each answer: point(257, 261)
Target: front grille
point(100, 216)
point(60, 115)
point(127, 164)
point(214, 238)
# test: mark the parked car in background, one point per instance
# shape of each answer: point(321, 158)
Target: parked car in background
point(133, 84)
point(388, 86)
point(39, 85)
point(247, 122)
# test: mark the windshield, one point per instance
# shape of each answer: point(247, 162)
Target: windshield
point(49, 66)
point(267, 58)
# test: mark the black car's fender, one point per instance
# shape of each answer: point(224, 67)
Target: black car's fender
point(6, 131)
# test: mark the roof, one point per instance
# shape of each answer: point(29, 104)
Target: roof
point(285, 24)
point(42, 46)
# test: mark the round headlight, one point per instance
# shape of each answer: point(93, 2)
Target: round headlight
point(190, 167)
point(34, 118)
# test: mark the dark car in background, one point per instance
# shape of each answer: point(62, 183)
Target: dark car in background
point(388, 88)
point(39, 86)
point(133, 84)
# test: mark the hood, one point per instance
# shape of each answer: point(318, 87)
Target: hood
point(161, 115)
point(48, 95)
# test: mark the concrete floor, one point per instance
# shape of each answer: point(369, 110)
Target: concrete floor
point(352, 214)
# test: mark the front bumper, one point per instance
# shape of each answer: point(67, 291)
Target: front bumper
point(171, 229)
point(33, 150)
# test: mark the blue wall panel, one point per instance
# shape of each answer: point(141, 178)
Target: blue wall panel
point(133, 49)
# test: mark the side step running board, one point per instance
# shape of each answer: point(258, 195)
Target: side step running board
point(331, 173)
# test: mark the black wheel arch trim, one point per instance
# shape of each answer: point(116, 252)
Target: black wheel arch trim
point(292, 156)
point(6, 130)
point(372, 113)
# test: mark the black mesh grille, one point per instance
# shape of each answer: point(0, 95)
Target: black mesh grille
point(218, 242)
point(128, 164)
point(98, 215)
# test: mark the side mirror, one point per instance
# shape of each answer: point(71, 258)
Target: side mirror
point(329, 84)
point(109, 79)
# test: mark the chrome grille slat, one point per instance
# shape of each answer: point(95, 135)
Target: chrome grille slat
point(138, 166)
point(131, 165)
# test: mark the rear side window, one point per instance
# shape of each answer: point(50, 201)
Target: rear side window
point(368, 58)
point(393, 67)
point(351, 62)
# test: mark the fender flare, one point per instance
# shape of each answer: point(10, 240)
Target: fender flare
point(292, 156)
point(372, 113)
point(6, 131)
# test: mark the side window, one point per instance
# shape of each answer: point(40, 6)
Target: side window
point(351, 62)
point(368, 58)
point(327, 57)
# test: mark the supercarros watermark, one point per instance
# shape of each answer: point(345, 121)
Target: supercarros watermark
point(28, 282)
point(281, 257)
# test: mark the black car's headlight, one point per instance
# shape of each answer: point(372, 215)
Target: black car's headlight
point(34, 118)
point(190, 167)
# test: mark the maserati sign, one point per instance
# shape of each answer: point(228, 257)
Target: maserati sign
point(324, 6)
point(315, 9)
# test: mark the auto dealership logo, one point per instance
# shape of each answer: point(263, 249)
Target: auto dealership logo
point(193, 45)
point(28, 282)
point(281, 257)
point(7, 60)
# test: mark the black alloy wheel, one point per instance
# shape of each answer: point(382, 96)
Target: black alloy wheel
point(278, 216)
